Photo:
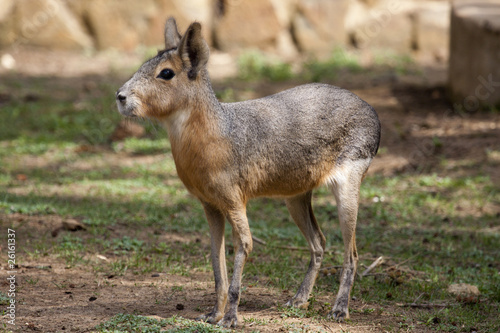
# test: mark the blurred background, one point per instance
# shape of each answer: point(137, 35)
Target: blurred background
point(72, 37)
point(97, 198)
point(289, 29)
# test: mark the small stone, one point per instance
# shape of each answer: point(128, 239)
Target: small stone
point(464, 292)
point(8, 61)
point(73, 225)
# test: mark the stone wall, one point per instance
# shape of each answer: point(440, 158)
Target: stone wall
point(286, 27)
point(474, 71)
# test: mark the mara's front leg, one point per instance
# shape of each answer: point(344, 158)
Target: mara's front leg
point(216, 222)
point(242, 239)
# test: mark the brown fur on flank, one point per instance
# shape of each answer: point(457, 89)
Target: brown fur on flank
point(284, 145)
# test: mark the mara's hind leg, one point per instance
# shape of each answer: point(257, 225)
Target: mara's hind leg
point(346, 184)
point(301, 211)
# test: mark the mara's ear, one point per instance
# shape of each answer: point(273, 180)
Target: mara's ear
point(172, 35)
point(194, 50)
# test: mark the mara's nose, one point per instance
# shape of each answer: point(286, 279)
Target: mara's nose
point(120, 96)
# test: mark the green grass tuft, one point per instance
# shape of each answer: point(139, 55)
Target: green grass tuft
point(254, 65)
point(134, 323)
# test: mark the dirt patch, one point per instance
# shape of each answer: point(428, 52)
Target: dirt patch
point(54, 297)
point(419, 129)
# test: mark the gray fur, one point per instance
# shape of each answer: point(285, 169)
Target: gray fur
point(298, 127)
point(332, 122)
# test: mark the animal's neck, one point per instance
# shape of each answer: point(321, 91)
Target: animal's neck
point(202, 115)
point(197, 142)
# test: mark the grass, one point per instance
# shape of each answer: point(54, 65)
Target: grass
point(4, 300)
point(414, 219)
point(135, 323)
point(253, 65)
point(400, 63)
point(340, 60)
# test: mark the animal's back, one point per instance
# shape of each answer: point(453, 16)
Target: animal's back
point(299, 135)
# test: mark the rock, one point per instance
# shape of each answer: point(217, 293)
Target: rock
point(243, 24)
point(73, 225)
point(48, 23)
point(7, 22)
point(386, 25)
point(432, 30)
point(464, 292)
point(7, 61)
point(70, 225)
point(474, 74)
point(318, 25)
point(116, 24)
point(6, 7)
point(126, 24)
point(285, 46)
point(184, 12)
point(357, 15)
point(285, 10)
point(222, 65)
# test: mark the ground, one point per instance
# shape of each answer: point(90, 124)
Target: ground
point(108, 239)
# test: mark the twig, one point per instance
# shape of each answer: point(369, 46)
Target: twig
point(414, 304)
point(424, 305)
point(330, 267)
point(376, 274)
point(399, 264)
point(288, 247)
point(374, 264)
point(294, 248)
point(416, 299)
point(327, 328)
point(263, 242)
point(258, 240)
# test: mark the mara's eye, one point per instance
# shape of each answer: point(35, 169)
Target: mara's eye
point(166, 74)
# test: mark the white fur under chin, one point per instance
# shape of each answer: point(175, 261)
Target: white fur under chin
point(176, 123)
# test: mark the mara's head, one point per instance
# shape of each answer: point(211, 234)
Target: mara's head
point(171, 79)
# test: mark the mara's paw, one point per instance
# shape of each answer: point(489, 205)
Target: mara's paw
point(297, 303)
point(229, 320)
point(210, 318)
point(339, 315)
